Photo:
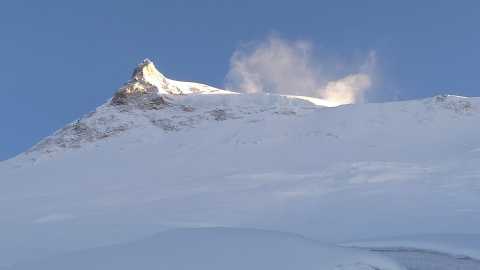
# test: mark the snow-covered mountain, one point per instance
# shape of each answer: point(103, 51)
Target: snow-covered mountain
point(163, 154)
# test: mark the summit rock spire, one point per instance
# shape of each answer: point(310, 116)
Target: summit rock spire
point(145, 88)
point(146, 68)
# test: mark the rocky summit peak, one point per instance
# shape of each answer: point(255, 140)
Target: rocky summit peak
point(145, 88)
point(145, 67)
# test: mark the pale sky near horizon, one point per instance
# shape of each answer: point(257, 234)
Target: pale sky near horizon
point(60, 59)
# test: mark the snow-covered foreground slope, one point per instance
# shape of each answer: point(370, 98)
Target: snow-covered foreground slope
point(216, 249)
point(163, 154)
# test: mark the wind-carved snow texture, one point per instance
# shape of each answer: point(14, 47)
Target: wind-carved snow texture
point(429, 251)
point(417, 259)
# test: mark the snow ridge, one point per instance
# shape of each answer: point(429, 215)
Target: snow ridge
point(147, 85)
point(149, 98)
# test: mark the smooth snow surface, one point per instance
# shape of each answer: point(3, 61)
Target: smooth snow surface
point(216, 249)
point(157, 157)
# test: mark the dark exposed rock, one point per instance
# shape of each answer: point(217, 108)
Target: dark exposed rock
point(144, 90)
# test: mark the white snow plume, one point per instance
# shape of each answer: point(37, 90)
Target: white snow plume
point(279, 66)
point(350, 89)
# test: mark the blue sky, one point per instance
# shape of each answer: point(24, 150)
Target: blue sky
point(61, 59)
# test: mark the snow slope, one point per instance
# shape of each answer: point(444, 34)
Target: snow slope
point(216, 248)
point(163, 154)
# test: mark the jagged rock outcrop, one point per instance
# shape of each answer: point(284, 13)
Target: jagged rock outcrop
point(144, 90)
point(460, 105)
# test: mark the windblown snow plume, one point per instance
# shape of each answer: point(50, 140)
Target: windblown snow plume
point(282, 67)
